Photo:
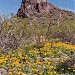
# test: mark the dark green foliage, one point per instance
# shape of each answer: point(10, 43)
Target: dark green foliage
point(66, 66)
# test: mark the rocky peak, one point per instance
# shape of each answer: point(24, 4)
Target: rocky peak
point(29, 7)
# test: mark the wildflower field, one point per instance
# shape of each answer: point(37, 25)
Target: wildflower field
point(49, 59)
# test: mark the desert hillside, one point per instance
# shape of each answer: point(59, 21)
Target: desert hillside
point(38, 40)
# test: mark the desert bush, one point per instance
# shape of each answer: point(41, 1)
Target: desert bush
point(66, 66)
point(25, 31)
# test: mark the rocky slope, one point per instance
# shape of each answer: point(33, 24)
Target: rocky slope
point(32, 7)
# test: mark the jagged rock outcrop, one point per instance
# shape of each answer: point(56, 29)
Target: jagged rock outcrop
point(31, 7)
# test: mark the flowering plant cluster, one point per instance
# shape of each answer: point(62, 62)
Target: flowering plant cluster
point(36, 61)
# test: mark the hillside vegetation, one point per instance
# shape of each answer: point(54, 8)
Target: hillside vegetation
point(17, 31)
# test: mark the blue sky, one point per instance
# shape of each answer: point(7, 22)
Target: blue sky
point(64, 4)
point(11, 6)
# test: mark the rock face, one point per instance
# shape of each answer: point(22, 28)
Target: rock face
point(31, 7)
